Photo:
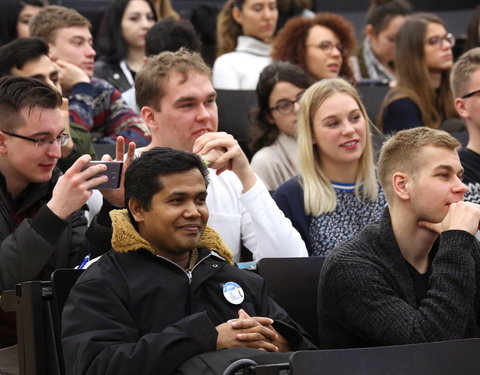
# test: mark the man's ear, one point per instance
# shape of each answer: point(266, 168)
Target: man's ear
point(461, 108)
point(136, 209)
point(148, 115)
point(400, 184)
point(3, 145)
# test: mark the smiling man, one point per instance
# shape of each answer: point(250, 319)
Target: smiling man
point(413, 276)
point(42, 226)
point(166, 291)
point(177, 101)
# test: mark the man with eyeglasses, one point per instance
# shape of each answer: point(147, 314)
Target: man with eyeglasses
point(177, 101)
point(42, 226)
point(465, 83)
point(28, 57)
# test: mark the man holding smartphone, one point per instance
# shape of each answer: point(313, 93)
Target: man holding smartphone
point(42, 226)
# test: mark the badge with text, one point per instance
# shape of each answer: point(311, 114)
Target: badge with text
point(233, 293)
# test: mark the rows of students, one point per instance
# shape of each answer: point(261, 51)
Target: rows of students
point(334, 196)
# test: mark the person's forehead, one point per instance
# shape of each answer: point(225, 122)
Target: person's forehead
point(183, 182)
point(431, 157)
point(40, 66)
point(72, 31)
point(194, 84)
point(39, 119)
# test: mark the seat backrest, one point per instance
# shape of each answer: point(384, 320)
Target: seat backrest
point(435, 358)
point(62, 282)
point(372, 96)
point(39, 311)
point(234, 107)
point(293, 284)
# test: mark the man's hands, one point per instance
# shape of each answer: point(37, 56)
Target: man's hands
point(117, 197)
point(461, 216)
point(223, 152)
point(253, 332)
point(70, 75)
point(74, 188)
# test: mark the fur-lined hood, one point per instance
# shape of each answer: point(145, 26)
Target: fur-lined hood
point(125, 238)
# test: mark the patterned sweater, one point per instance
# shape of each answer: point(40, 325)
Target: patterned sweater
point(100, 109)
point(324, 232)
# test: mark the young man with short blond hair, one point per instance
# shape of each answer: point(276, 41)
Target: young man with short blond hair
point(413, 276)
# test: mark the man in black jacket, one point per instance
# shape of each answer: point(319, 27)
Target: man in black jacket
point(42, 226)
point(167, 291)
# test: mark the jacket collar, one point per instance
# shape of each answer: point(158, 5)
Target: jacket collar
point(125, 238)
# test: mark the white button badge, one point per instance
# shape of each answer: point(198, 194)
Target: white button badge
point(233, 293)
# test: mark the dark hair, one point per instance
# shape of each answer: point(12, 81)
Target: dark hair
point(170, 35)
point(264, 133)
point(19, 52)
point(11, 10)
point(17, 93)
point(473, 39)
point(111, 45)
point(142, 178)
point(381, 12)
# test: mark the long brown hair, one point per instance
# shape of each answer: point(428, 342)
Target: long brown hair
point(413, 76)
point(228, 29)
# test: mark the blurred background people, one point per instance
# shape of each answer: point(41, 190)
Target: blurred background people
point(336, 193)
point(423, 58)
point(274, 122)
point(245, 29)
point(321, 45)
point(473, 31)
point(374, 59)
point(164, 9)
point(14, 18)
point(121, 42)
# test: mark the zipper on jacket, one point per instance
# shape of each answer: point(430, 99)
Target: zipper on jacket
point(188, 273)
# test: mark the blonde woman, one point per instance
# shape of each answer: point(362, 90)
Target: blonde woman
point(336, 193)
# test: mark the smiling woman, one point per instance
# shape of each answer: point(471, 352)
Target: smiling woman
point(336, 193)
point(121, 41)
point(320, 45)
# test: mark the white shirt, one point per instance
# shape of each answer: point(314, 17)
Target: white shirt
point(239, 70)
point(252, 218)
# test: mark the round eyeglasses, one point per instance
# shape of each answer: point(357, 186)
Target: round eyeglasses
point(285, 106)
point(62, 139)
point(437, 40)
point(328, 46)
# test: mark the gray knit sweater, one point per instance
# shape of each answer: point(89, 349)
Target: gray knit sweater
point(367, 298)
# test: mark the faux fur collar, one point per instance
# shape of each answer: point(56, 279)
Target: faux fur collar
point(125, 238)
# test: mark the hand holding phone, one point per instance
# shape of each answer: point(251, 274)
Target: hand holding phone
point(113, 172)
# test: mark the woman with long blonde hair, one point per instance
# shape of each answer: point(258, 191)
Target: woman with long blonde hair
point(336, 193)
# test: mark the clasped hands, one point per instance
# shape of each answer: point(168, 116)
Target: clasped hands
point(254, 332)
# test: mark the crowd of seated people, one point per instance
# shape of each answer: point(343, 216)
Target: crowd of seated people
point(390, 230)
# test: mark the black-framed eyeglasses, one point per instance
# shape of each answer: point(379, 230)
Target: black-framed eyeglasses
point(285, 106)
point(62, 139)
point(437, 40)
point(327, 46)
point(470, 94)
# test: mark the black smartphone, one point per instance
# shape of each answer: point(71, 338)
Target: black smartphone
point(113, 172)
